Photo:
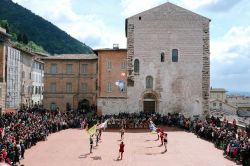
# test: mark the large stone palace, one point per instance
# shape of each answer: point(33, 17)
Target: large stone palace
point(165, 68)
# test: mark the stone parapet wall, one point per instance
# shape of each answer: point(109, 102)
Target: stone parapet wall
point(112, 105)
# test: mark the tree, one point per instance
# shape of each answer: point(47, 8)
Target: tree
point(25, 39)
point(5, 25)
point(35, 47)
point(19, 37)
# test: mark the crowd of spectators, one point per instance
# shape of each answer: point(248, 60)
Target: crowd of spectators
point(233, 140)
point(24, 129)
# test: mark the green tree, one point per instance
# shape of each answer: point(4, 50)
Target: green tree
point(19, 37)
point(25, 39)
point(4, 24)
point(35, 47)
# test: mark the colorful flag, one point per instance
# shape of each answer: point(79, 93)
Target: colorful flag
point(103, 125)
point(92, 130)
point(152, 127)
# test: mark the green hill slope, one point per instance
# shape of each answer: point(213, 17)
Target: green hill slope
point(40, 31)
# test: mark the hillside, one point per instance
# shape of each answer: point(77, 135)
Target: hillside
point(25, 23)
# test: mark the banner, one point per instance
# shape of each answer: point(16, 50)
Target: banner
point(92, 130)
point(152, 127)
point(103, 125)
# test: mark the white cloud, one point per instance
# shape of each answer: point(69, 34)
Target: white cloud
point(87, 28)
point(235, 44)
point(132, 7)
point(195, 4)
point(230, 59)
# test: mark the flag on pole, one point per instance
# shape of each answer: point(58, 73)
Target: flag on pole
point(152, 127)
point(103, 125)
point(92, 130)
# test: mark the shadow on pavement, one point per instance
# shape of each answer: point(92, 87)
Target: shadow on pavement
point(155, 153)
point(96, 158)
point(117, 159)
point(84, 155)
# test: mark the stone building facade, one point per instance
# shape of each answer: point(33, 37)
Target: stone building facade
point(3, 44)
point(168, 61)
point(112, 89)
point(70, 81)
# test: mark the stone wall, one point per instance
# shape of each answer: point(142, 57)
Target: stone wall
point(206, 69)
point(130, 52)
point(107, 106)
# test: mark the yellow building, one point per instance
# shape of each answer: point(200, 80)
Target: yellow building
point(218, 93)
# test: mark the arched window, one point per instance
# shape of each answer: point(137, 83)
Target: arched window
point(174, 55)
point(136, 66)
point(162, 57)
point(149, 82)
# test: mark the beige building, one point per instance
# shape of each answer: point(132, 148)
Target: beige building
point(218, 93)
point(112, 71)
point(234, 100)
point(244, 109)
point(168, 61)
point(27, 59)
point(220, 108)
point(70, 81)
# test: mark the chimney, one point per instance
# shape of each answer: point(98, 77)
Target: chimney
point(116, 46)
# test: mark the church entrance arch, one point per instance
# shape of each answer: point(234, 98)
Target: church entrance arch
point(149, 103)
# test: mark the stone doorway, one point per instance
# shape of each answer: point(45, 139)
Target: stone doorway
point(149, 103)
point(84, 105)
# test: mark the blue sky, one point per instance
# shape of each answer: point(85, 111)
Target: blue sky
point(100, 23)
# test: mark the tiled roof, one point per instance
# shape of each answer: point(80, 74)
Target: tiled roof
point(111, 49)
point(243, 105)
point(72, 56)
point(217, 90)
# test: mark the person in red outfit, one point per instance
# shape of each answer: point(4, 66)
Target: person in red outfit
point(121, 150)
point(158, 130)
point(162, 137)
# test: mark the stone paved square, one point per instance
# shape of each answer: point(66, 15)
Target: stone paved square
point(71, 148)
